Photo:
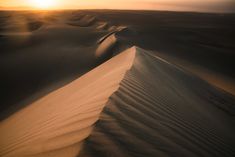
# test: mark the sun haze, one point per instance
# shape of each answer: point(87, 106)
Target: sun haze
point(177, 5)
point(43, 4)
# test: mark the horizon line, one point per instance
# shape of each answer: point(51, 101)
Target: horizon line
point(114, 9)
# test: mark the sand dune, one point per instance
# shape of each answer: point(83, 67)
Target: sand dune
point(199, 43)
point(21, 24)
point(84, 21)
point(151, 108)
point(103, 25)
point(48, 58)
point(162, 84)
point(106, 45)
point(57, 124)
point(161, 110)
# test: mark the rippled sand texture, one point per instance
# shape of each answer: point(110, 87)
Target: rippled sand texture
point(160, 110)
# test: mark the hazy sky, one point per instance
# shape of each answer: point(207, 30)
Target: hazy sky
point(188, 5)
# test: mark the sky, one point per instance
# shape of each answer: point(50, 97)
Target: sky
point(179, 5)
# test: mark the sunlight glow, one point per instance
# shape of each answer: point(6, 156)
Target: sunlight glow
point(43, 4)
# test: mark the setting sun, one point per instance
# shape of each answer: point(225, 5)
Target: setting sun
point(43, 4)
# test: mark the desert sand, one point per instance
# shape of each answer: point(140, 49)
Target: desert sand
point(161, 110)
point(117, 83)
point(56, 124)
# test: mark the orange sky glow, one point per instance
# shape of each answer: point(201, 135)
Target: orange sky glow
point(180, 5)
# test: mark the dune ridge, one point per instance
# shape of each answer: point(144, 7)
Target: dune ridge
point(148, 105)
point(83, 21)
point(189, 40)
point(106, 45)
point(66, 51)
point(56, 124)
point(163, 110)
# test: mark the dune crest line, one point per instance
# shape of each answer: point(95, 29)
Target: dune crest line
point(161, 110)
point(56, 124)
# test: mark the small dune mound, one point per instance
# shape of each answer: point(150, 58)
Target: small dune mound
point(126, 32)
point(76, 16)
point(110, 44)
point(116, 28)
point(21, 24)
point(50, 18)
point(105, 37)
point(57, 124)
point(84, 21)
point(34, 25)
point(104, 49)
point(103, 26)
point(115, 31)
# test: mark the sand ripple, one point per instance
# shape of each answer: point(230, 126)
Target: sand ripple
point(160, 110)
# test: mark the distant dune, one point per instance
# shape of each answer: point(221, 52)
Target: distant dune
point(117, 83)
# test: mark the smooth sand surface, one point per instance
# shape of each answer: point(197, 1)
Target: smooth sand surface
point(57, 124)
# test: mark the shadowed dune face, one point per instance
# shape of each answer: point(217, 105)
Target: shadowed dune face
point(57, 124)
point(160, 110)
point(201, 43)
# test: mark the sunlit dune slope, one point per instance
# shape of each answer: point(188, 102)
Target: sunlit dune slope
point(161, 110)
point(57, 124)
point(41, 52)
